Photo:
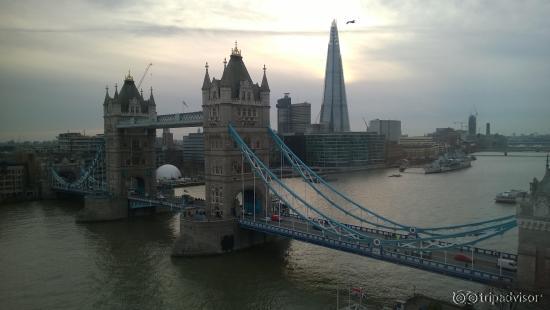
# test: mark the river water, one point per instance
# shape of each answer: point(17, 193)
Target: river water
point(47, 261)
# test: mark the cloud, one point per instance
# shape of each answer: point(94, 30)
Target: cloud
point(425, 62)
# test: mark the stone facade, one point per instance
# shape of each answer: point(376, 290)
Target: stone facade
point(233, 99)
point(534, 237)
point(214, 237)
point(230, 186)
point(129, 153)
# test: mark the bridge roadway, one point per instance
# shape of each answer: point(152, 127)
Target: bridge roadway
point(484, 269)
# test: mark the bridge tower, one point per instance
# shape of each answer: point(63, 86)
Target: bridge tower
point(534, 236)
point(129, 153)
point(236, 100)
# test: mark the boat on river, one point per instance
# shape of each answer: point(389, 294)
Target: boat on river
point(448, 162)
point(511, 196)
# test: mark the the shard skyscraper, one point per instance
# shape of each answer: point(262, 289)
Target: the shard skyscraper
point(334, 110)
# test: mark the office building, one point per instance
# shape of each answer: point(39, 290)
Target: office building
point(300, 117)
point(283, 115)
point(344, 150)
point(423, 148)
point(448, 136)
point(472, 125)
point(391, 129)
point(12, 180)
point(75, 142)
point(334, 110)
point(20, 177)
point(292, 118)
point(193, 154)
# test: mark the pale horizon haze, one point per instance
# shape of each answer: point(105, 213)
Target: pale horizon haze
point(427, 63)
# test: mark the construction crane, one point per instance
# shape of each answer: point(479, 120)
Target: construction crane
point(366, 126)
point(144, 73)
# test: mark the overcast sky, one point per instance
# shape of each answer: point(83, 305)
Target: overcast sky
point(427, 63)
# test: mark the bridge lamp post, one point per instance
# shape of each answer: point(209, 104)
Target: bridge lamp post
point(472, 258)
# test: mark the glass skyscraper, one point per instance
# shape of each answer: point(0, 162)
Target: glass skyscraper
point(334, 110)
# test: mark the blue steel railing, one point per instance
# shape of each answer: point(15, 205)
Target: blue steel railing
point(391, 234)
point(380, 253)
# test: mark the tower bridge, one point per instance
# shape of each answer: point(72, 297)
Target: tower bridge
point(246, 203)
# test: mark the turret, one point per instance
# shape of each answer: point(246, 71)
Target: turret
point(107, 97)
point(264, 89)
point(106, 101)
point(206, 84)
point(152, 104)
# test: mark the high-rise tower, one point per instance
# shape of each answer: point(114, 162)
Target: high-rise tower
point(472, 125)
point(334, 110)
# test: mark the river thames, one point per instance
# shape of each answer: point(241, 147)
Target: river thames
point(48, 261)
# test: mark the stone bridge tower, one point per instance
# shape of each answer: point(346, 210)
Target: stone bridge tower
point(129, 153)
point(534, 236)
point(236, 100)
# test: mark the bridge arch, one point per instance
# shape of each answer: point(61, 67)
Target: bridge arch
point(251, 201)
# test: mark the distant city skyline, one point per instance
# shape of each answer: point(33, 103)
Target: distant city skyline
point(424, 63)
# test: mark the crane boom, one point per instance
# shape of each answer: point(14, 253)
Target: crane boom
point(144, 73)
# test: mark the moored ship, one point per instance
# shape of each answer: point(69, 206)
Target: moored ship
point(511, 196)
point(447, 163)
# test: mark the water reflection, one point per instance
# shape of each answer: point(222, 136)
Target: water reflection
point(129, 257)
point(50, 262)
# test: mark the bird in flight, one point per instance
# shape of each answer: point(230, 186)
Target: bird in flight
point(350, 21)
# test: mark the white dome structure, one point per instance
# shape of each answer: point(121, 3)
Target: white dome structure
point(168, 172)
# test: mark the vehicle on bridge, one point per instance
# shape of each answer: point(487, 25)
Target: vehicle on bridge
point(507, 264)
point(463, 258)
point(276, 218)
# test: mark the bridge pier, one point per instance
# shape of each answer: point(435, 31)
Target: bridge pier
point(200, 238)
point(103, 208)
